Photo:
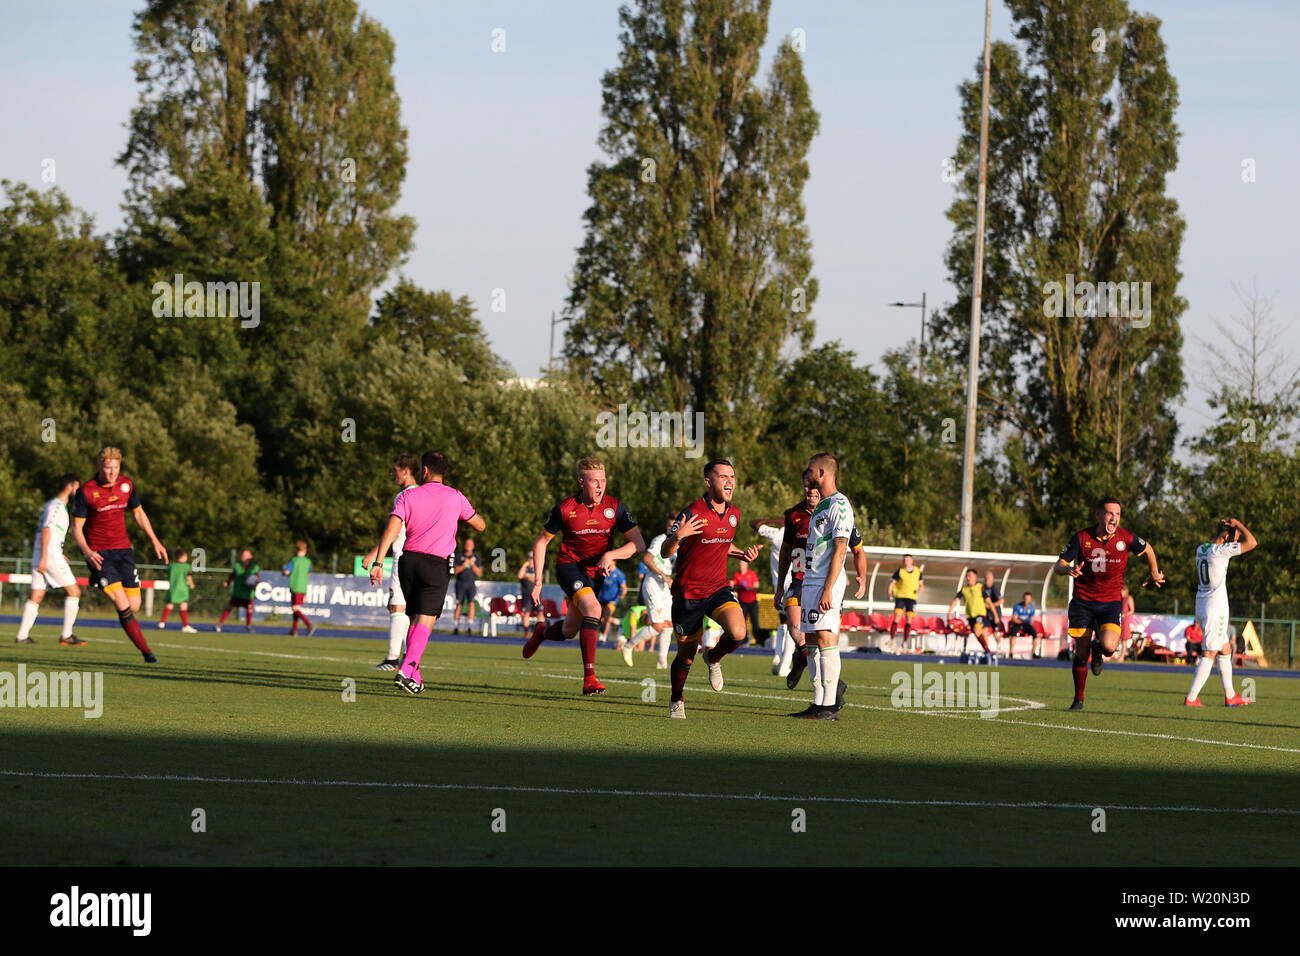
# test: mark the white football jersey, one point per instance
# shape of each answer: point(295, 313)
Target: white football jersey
point(400, 541)
point(54, 517)
point(832, 518)
point(669, 563)
point(1212, 570)
point(776, 535)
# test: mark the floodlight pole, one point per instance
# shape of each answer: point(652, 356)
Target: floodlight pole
point(972, 372)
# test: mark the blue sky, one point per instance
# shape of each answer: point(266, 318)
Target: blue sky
point(500, 143)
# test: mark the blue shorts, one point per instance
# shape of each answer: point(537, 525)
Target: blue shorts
point(118, 568)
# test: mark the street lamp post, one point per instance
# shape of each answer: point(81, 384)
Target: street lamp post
point(550, 361)
point(920, 350)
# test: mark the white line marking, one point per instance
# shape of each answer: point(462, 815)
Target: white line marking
point(594, 791)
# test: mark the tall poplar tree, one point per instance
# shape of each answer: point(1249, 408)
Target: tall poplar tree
point(1081, 140)
point(696, 269)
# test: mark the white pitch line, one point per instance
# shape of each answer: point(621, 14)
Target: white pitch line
point(931, 712)
point(603, 792)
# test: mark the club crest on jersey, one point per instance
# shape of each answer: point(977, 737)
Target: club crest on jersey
point(126, 487)
point(609, 513)
point(1119, 545)
point(731, 519)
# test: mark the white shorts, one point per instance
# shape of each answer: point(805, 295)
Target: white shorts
point(58, 574)
point(395, 595)
point(1213, 619)
point(812, 617)
point(659, 603)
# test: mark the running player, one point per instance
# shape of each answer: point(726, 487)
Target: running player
point(50, 569)
point(99, 528)
point(403, 472)
point(179, 584)
point(1212, 607)
point(586, 522)
point(1102, 553)
point(972, 595)
point(656, 592)
point(702, 537)
point(242, 583)
point(905, 587)
point(822, 596)
point(429, 515)
point(298, 568)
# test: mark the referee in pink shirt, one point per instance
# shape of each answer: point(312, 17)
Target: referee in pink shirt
point(431, 513)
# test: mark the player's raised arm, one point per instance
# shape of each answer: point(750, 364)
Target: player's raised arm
point(1157, 576)
point(687, 525)
point(1248, 542)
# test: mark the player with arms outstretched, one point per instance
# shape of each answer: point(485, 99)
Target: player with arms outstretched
point(586, 522)
point(1212, 607)
point(1096, 558)
point(99, 528)
point(702, 537)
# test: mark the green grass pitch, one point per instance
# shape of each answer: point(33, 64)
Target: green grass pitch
point(502, 761)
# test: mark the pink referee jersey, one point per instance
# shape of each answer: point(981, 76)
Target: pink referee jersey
point(430, 513)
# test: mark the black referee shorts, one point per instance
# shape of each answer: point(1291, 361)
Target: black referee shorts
point(424, 582)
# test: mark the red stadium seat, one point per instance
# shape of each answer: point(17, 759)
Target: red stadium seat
point(549, 608)
point(937, 625)
point(853, 621)
point(1038, 627)
point(878, 621)
point(500, 606)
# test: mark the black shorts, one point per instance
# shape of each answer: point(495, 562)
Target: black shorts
point(905, 604)
point(526, 603)
point(1017, 628)
point(574, 577)
point(239, 602)
point(424, 582)
point(688, 615)
point(465, 590)
point(1093, 614)
point(118, 568)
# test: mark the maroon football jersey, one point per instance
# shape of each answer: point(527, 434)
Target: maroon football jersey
point(702, 558)
point(796, 532)
point(588, 530)
point(104, 507)
point(1104, 562)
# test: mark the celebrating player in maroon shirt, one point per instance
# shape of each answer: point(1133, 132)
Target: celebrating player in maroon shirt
point(702, 538)
point(99, 528)
point(1102, 554)
point(587, 522)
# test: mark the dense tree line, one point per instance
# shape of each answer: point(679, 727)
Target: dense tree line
point(267, 147)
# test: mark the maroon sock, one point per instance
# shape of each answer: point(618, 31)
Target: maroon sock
point(587, 641)
point(907, 629)
point(801, 652)
point(185, 618)
point(1080, 679)
point(226, 613)
point(132, 628)
point(726, 644)
point(983, 643)
point(681, 667)
point(893, 625)
point(554, 631)
point(250, 613)
point(167, 609)
point(299, 616)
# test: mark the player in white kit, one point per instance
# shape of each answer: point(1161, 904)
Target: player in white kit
point(773, 530)
point(829, 529)
point(403, 472)
point(50, 569)
point(1212, 607)
point(658, 601)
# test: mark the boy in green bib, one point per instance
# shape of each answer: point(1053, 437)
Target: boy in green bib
point(179, 582)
